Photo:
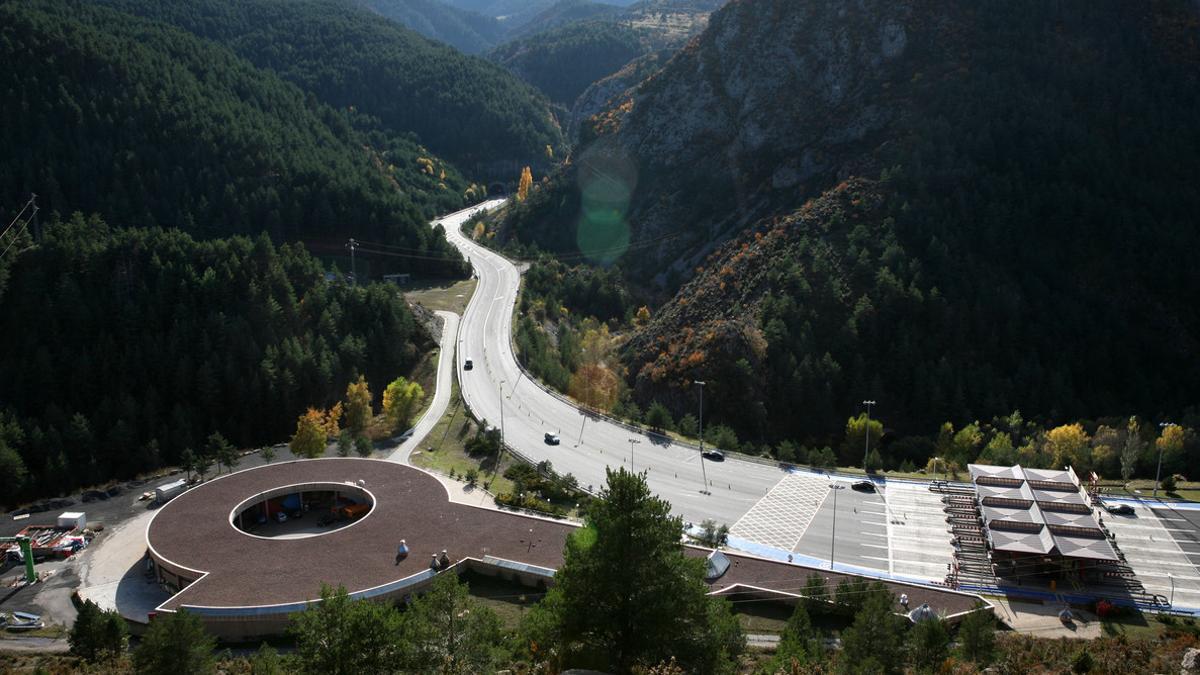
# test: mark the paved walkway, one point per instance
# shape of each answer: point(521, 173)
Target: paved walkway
point(441, 395)
point(1042, 620)
point(112, 571)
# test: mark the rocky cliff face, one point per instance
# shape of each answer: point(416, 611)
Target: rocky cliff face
point(767, 107)
point(938, 203)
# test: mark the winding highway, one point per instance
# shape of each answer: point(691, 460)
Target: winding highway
point(496, 389)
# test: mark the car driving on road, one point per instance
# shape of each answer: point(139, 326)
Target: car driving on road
point(1119, 509)
point(467, 364)
point(863, 486)
point(713, 455)
point(552, 439)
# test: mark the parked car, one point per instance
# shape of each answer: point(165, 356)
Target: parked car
point(1119, 509)
point(552, 439)
point(863, 486)
point(713, 455)
point(468, 364)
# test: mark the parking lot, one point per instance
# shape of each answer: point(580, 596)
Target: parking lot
point(899, 529)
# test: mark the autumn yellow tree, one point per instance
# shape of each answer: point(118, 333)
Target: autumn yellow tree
point(1170, 444)
point(400, 401)
point(596, 386)
point(1069, 444)
point(358, 405)
point(332, 420)
point(310, 437)
point(524, 185)
point(594, 382)
point(642, 317)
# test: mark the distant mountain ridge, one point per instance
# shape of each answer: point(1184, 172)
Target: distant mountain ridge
point(465, 109)
point(577, 44)
point(960, 210)
point(153, 127)
point(467, 31)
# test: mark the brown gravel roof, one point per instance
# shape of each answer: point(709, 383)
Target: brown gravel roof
point(194, 531)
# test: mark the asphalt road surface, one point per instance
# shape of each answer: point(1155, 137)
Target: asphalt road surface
point(589, 445)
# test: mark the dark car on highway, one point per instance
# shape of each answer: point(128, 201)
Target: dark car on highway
point(863, 486)
point(713, 455)
point(1119, 509)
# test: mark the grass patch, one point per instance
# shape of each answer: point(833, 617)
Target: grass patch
point(508, 599)
point(1132, 625)
point(437, 295)
point(425, 374)
point(1190, 493)
point(444, 448)
point(762, 618)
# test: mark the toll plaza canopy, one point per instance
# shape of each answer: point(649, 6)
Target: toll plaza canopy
point(1038, 511)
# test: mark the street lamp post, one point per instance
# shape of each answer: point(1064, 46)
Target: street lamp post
point(632, 442)
point(867, 445)
point(833, 534)
point(1161, 446)
point(502, 383)
point(703, 471)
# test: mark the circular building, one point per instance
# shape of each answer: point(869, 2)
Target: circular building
point(246, 550)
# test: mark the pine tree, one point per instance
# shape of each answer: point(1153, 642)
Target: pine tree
point(175, 644)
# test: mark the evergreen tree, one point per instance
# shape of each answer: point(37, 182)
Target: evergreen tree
point(659, 418)
point(175, 644)
point(928, 645)
point(446, 631)
point(340, 636)
point(266, 661)
point(874, 642)
point(977, 637)
point(800, 643)
point(363, 446)
point(97, 634)
point(628, 595)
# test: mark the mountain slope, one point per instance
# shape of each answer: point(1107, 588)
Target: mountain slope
point(469, 32)
point(152, 127)
point(564, 61)
point(562, 13)
point(471, 112)
point(565, 58)
point(122, 347)
point(955, 210)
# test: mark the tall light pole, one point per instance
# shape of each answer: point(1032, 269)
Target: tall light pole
point(1161, 446)
point(353, 270)
point(867, 446)
point(502, 382)
point(703, 472)
point(632, 442)
point(833, 534)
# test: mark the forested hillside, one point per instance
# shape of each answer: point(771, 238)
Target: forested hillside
point(148, 341)
point(468, 32)
point(564, 12)
point(573, 46)
point(464, 109)
point(151, 126)
point(564, 61)
point(954, 210)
